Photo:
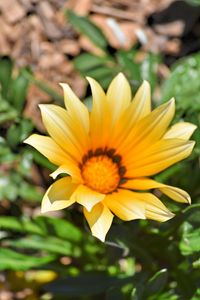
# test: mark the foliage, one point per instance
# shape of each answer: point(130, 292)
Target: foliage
point(14, 129)
point(194, 2)
point(141, 259)
point(106, 66)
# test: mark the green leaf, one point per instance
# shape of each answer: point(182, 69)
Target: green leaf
point(26, 128)
point(4, 105)
point(6, 66)
point(8, 188)
point(193, 2)
point(157, 283)
point(190, 242)
point(126, 59)
point(29, 192)
point(49, 244)
point(92, 283)
point(13, 135)
point(41, 159)
point(10, 115)
point(114, 294)
point(60, 228)
point(10, 223)
point(86, 27)
point(100, 73)
point(25, 164)
point(44, 226)
point(87, 61)
point(19, 91)
point(184, 84)
point(6, 155)
point(11, 260)
point(20, 225)
point(197, 295)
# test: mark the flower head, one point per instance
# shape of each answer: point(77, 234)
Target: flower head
point(110, 152)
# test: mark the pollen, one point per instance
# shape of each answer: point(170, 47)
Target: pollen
point(101, 174)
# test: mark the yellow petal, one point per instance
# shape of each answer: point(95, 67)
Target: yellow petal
point(58, 195)
point(87, 197)
point(71, 169)
point(172, 192)
point(58, 125)
point(138, 109)
point(148, 130)
point(159, 157)
point(176, 194)
point(75, 107)
point(151, 207)
point(49, 148)
point(129, 205)
point(99, 219)
point(181, 130)
point(100, 116)
point(154, 208)
point(118, 96)
point(141, 105)
point(125, 205)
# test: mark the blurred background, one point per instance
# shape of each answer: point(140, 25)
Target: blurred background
point(54, 256)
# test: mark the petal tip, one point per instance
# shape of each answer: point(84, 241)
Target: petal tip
point(189, 200)
point(146, 83)
point(44, 209)
point(193, 126)
point(53, 175)
point(42, 107)
point(102, 239)
point(63, 85)
point(169, 216)
point(88, 207)
point(91, 81)
point(99, 236)
point(89, 78)
point(191, 144)
point(172, 101)
point(28, 140)
point(121, 75)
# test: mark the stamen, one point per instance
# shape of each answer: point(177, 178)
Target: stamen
point(117, 158)
point(110, 152)
point(101, 174)
point(122, 171)
point(90, 153)
point(102, 170)
point(98, 151)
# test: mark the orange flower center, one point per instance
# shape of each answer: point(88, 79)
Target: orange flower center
point(101, 173)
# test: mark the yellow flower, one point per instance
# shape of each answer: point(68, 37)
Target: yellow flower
point(110, 152)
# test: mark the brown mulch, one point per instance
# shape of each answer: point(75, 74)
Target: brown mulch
point(36, 33)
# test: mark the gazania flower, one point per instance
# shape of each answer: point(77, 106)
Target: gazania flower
point(110, 152)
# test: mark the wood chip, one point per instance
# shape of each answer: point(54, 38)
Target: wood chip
point(69, 47)
point(119, 34)
point(135, 16)
point(173, 47)
point(12, 11)
point(51, 29)
point(48, 61)
point(45, 9)
point(80, 7)
point(4, 45)
point(174, 29)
